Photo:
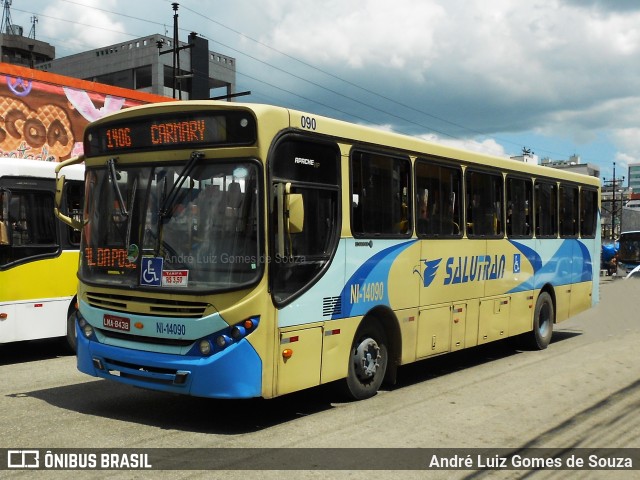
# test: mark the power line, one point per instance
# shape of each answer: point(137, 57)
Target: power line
point(298, 77)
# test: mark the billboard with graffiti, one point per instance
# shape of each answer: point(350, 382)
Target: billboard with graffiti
point(43, 115)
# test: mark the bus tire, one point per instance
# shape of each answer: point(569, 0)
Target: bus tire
point(543, 318)
point(368, 362)
point(72, 340)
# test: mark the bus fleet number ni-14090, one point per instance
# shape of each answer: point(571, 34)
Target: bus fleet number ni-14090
point(171, 328)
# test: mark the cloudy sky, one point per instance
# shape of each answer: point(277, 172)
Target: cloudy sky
point(560, 77)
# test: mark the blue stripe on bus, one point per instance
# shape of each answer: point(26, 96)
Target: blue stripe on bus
point(552, 271)
point(375, 269)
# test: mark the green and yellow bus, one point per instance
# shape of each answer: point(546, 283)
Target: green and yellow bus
point(237, 250)
point(38, 254)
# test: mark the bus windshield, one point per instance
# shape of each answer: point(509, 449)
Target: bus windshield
point(190, 224)
point(629, 247)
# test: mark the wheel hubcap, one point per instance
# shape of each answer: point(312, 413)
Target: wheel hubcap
point(367, 359)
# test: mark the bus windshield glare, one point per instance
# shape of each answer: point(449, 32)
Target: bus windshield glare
point(192, 224)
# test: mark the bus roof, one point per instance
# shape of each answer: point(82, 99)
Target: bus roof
point(364, 135)
point(21, 167)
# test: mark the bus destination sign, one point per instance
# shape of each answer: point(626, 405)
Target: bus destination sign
point(181, 130)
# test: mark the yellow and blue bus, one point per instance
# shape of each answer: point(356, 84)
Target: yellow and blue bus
point(237, 250)
point(38, 254)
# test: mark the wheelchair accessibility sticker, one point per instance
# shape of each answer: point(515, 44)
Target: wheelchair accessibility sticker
point(151, 271)
point(516, 263)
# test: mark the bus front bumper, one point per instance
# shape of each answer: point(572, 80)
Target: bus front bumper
point(235, 372)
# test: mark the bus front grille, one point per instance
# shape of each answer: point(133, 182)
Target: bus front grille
point(147, 306)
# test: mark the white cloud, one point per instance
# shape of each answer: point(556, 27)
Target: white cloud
point(560, 68)
point(357, 34)
point(85, 28)
point(487, 146)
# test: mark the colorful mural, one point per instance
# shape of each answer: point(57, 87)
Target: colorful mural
point(43, 115)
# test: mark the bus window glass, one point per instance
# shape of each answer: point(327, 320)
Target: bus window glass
point(484, 204)
point(308, 251)
point(380, 193)
point(31, 226)
point(629, 251)
point(588, 213)
point(568, 211)
point(74, 193)
point(438, 196)
point(201, 224)
point(519, 201)
point(546, 208)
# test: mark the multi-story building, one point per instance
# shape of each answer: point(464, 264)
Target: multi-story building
point(148, 64)
point(634, 178)
point(17, 49)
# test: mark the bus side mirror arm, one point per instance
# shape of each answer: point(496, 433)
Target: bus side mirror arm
point(60, 179)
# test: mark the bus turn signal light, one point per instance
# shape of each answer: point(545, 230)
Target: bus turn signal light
point(287, 353)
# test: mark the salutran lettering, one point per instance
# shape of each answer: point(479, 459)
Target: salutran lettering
point(474, 268)
point(177, 132)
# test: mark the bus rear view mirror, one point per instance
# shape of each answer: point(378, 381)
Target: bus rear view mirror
point(296, 212)
point(290, 216)
point(60, 180)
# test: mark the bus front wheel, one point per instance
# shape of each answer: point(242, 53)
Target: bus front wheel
point(367, 362)
point(72, 340)
point(543, 318)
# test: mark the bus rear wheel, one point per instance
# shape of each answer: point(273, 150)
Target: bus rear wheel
point(367, 362)
point(543, 318)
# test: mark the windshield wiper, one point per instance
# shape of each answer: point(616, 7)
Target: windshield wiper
point(167, 203)
point(173, 193)
point(111, 163)
point(132, 200)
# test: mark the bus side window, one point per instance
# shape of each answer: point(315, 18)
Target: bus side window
point(74, 205)
point(519, 201)
point(588, 213)
point(18, 220)
point(381, 189)
point(437, 203)
point(484, 204)
point(568, 211)
point(546, 208)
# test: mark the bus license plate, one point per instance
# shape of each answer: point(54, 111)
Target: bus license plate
point(117, 323)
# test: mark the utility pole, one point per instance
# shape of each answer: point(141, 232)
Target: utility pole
point(175, 50)
point(615, 211)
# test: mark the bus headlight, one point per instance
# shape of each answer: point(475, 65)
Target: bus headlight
point(238, 332)
point(205, 347)
point(223, 340)
point(87, 330)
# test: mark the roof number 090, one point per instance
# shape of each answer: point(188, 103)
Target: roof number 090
point(308, 122)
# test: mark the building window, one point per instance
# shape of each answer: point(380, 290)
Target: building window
point(143, 77)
